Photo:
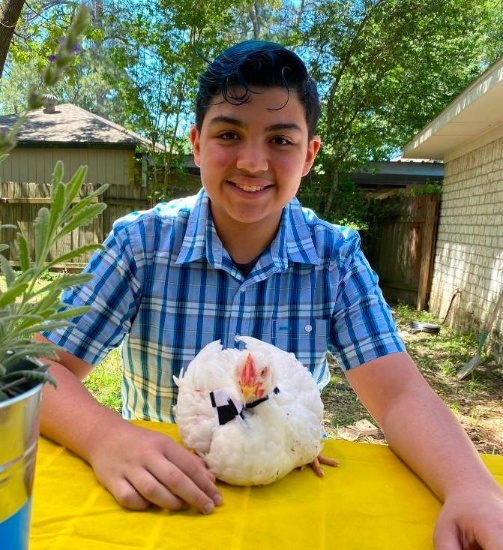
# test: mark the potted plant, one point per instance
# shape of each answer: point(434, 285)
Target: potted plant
point(29, 303)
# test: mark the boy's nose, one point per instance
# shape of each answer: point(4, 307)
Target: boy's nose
point(252, 158)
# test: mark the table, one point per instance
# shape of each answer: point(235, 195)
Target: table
point(371, 501)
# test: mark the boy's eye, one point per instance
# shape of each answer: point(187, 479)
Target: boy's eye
point(279, 140)
point(228, 136)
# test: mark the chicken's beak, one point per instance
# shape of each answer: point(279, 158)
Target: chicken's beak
point(248, 393)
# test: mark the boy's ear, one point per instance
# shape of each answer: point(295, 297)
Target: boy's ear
point(194, 139)
point(312, 150)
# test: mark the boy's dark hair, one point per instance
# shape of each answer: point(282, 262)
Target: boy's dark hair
point(257, 63)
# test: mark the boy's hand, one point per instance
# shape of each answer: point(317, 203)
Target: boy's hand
point(472, 520)
point(141, 467)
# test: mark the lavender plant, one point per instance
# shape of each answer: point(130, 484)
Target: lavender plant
point(29, 305)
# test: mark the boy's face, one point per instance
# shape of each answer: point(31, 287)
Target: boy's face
point(252, 157)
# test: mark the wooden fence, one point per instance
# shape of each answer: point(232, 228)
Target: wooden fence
point(20, 202)
point(400, 245)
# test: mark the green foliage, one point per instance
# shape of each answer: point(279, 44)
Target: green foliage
point(392, 207)
point(157, 70)
point(28, 307)
point(68, 47)
point(350, 205)
point(384, 67)
point(429, 188)
point(105, 381)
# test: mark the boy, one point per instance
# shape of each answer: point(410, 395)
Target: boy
point(242, 257)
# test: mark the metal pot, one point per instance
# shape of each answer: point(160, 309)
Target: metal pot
point(19, 431)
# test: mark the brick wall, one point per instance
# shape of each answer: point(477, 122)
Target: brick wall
point(469, 252)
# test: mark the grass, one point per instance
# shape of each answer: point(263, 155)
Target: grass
point(104, 382)
point(476, 401)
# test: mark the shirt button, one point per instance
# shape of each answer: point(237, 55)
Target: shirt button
point(308, 328)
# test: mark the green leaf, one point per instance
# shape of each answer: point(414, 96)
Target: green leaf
point(23, 252)
point(45, 325)
point(57, 177)
point(75, 279)
point(7, 270)
point(13, 315)
point(98, 192)
point(22, 320)
point(41, 225)
point(86, 201)
point(74, 186)
point(73, 254)
point(83, 218)
point(71, 313)
point(57, 207)
point(9, 296)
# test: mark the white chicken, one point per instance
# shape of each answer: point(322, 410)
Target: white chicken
point(253, 415)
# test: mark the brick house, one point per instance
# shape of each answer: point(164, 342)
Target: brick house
point(468, 137)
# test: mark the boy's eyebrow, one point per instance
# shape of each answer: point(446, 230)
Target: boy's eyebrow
point(284, 126)
point(236, 122)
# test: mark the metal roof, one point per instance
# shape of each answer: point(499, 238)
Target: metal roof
point(398, 173)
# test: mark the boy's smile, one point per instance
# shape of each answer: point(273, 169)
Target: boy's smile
point(252, 158)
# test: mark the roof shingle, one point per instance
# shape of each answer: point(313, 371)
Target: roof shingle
point(70, 124)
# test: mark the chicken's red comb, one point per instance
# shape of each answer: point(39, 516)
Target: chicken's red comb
point(249, 373)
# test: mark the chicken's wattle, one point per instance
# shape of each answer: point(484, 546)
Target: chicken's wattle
point(253, 415)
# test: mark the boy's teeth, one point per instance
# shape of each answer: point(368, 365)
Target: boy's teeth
point(250, 188)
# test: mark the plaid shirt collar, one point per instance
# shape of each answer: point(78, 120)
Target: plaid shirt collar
point(293, 243)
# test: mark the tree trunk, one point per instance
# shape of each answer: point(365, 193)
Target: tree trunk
point(331, 192)
point(10, 12)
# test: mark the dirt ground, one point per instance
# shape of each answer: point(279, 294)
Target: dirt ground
point(477, 401)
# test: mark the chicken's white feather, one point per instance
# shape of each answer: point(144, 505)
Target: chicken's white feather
point(271, 439)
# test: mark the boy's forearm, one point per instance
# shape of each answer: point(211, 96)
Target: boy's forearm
point(71, 416)
point(429, 438)
point(418, 426)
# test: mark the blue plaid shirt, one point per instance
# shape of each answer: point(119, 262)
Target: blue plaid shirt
point(165, 287)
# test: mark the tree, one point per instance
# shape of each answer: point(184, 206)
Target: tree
point(494, 44)
point(10, 12)
point(159, 59)
point(37, 37)
point(385, 68)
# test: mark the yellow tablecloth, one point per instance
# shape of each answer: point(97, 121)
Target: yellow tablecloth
point(371, 501)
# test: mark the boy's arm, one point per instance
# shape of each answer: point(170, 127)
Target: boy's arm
point(138, 466)
point(421, 429)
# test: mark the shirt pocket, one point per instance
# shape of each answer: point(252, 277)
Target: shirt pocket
point(306, 337)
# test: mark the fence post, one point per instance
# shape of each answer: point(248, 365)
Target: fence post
point(428, 241)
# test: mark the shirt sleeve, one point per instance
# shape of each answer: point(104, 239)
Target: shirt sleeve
point(362, 326)
point(113, 296)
